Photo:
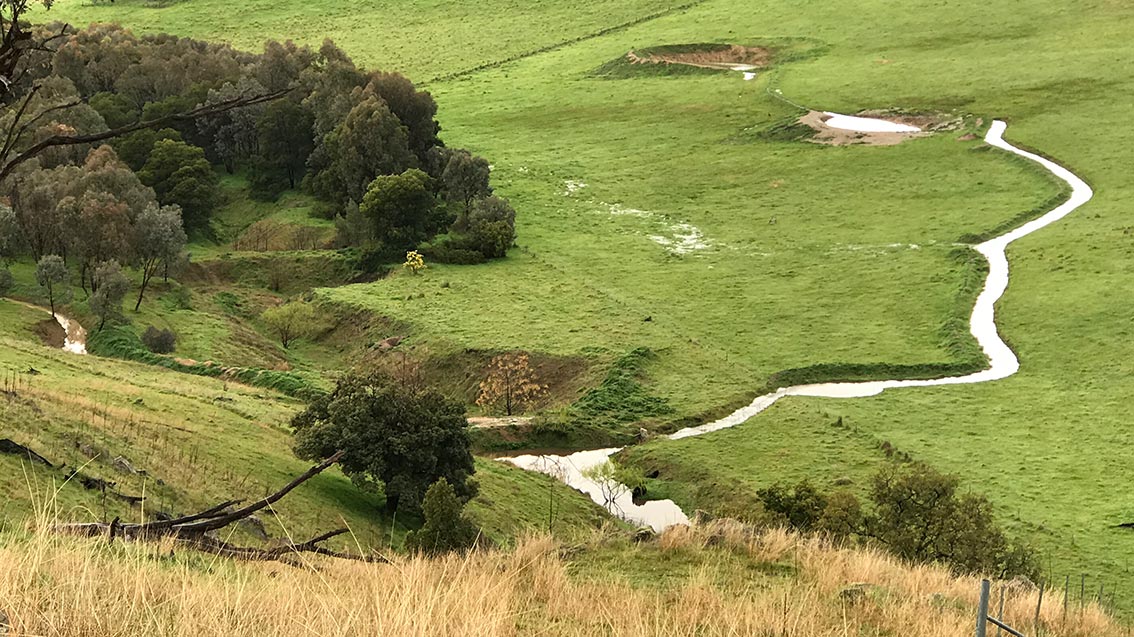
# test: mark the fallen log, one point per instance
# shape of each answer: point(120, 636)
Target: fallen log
point(197, 530)
point(16, 449)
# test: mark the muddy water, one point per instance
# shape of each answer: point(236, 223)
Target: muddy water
point(866, 124)
point(1002, 361)
point(76, 340)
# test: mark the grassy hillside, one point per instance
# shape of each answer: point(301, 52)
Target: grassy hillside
point(422, 38)
point(608, 174)
point(718, 580)
point(200, 441)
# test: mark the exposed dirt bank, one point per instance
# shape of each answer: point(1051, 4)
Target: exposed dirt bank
point(726, 57)
point(827, 133)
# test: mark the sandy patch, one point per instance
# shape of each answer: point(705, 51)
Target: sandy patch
point(897, 132)
point(730, 58)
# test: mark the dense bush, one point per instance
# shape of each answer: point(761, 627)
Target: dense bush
point(162, 341)
point(446, 529)
point(5, 282)
point(917, 514)
point(446, 252)
point(799, 507)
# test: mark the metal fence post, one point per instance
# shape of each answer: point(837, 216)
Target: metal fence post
point(982, 610)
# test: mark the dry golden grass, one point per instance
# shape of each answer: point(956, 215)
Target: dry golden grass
point(67, 587)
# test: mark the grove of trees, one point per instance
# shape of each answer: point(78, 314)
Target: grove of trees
point(113, 142)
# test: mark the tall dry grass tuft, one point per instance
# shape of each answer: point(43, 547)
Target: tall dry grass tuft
point(66, 587)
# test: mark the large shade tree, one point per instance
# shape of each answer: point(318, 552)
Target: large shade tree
point(399, 438)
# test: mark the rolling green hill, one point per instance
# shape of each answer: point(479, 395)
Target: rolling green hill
point(609, 175)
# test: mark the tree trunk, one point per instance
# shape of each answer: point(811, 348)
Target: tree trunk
point(147, 272)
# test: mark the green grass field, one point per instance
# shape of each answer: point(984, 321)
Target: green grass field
point(835, 278)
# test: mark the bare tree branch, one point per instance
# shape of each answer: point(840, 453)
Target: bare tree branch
point(218, 522)
point(195, 531)
point(204, 110)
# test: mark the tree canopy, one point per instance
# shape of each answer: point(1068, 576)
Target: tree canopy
point(399, 439)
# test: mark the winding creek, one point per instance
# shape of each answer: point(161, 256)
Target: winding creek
point(982, 323)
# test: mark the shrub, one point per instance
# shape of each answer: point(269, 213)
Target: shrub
point(800, 507)
point(842, 516)
point(452, 253)
point(5, 282)
point(919, 516)
point(266, 184)
point(162, 341)
point(446, 529)
point(291, 321)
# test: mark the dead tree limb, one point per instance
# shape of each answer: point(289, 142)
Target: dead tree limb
point(196, 530)
point(204, 110)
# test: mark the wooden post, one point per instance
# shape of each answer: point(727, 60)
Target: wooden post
point(1066, 595)
point(1000, 613)
point(982, 610)
point(1039, 605)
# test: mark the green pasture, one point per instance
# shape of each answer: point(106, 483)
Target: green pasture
point(835, 278)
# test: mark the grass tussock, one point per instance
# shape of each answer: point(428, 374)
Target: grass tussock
point(63, 586)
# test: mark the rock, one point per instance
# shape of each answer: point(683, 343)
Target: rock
point(254, 526)
point(644, 534)
point(390, 343)
point(967, 137)
point(855, 593)
point(123, 465)
point(842, 481)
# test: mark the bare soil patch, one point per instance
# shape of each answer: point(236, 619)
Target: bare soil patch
point(50, 332)
point(725, 57)
point(489, 422)
point(839, 137)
